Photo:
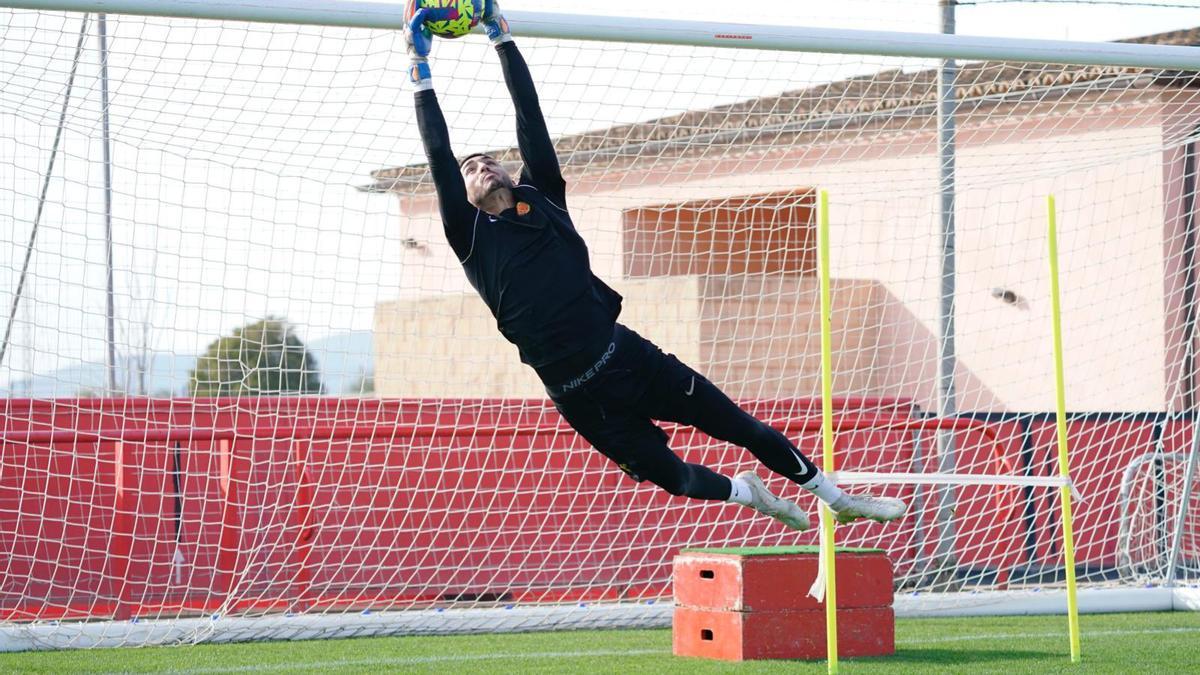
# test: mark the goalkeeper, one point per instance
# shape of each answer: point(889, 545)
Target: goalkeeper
point(521, 252)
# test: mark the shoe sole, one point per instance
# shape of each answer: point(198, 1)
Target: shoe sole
point(757, 484)
point(855, 519)
point(806, 528)
point(781, 521)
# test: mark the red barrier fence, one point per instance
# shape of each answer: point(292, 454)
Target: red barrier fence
point(135, 507)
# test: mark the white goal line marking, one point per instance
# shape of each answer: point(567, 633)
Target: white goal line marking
point(414, 661)
point(421, 660)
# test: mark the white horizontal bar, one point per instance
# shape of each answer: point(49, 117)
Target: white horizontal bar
point(348, 13)
point(873, 478)
point(879, 478)
point(354, 13)
point(835, 41)
point(1187, 600)
point(1033, 601)
point(74, 635)
point(87, 635)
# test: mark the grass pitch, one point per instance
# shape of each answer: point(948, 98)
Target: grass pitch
point(1112, 643)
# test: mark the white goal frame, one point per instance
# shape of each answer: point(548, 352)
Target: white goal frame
point(354, 14)
point(351, 13)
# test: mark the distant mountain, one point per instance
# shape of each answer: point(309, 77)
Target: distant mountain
point(342, 358)
point(166, 374)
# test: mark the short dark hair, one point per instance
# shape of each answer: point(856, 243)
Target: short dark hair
point(462, 162)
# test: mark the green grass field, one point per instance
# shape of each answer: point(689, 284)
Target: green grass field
point(1116, 643)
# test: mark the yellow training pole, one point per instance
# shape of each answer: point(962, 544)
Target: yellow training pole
point(1064, 467)
point(827, 543)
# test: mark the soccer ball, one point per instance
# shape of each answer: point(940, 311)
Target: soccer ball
point(465, 14)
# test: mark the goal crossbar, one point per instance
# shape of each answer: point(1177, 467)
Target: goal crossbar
point(356, 14)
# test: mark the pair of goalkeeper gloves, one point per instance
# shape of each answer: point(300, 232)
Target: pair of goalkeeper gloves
point(419, 39)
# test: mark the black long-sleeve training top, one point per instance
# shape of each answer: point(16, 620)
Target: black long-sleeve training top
point(528, 264)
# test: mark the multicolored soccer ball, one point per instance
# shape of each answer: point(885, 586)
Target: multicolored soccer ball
point(465, 14)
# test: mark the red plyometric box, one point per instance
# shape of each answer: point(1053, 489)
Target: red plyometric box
point(742, 636)
point(778, 578)
point(753, 603)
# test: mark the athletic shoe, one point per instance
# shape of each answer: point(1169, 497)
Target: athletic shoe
point(850, 508)
point(769, 505)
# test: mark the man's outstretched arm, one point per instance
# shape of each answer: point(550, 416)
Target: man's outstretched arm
point(533, 138)
point(458, 215)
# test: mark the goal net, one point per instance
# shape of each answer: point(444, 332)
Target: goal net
point(250, 394)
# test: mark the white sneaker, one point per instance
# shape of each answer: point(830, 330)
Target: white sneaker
point(850, 508)
point(769, 505)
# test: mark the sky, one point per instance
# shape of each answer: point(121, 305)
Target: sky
point(237, 149)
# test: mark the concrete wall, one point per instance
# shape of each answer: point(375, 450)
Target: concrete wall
point(448, 346)
point(756, 337)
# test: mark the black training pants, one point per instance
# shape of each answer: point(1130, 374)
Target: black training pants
point(616, 409)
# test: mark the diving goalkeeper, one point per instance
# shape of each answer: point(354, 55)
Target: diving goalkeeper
point(521, 252)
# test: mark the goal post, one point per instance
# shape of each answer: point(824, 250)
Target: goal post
point(388, 16)
point(292, 417)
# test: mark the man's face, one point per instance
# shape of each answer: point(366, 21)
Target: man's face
point(483, 176)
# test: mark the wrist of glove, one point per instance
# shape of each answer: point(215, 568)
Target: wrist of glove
point(494, 23)
point(419, 74)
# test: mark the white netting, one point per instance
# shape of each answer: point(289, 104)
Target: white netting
point(275, 237)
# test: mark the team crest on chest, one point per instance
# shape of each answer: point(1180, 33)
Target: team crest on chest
point(523, 209)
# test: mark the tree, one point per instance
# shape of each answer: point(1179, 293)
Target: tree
point(260, 359)
point(364, 385)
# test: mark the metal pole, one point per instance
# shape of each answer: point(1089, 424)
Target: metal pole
point(1189, 275)
point(110, 305)
point(388, 16)
point(920, 562)
point(1189, 476)
point(947, 108)
point(1189, 479)
point(947, 354)
point(37, 219)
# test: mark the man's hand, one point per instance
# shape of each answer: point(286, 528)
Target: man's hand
point(494, 24)
point(419, 42)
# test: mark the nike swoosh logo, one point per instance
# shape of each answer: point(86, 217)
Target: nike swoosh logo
point(691, 387)
point(795, 454)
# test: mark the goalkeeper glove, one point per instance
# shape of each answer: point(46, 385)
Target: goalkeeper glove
point(494, 24)
point(419, 41)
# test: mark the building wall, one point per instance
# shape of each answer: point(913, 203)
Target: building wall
point(757, 337)
point(1179, 256)
point(752, 235)
point(448, 345)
